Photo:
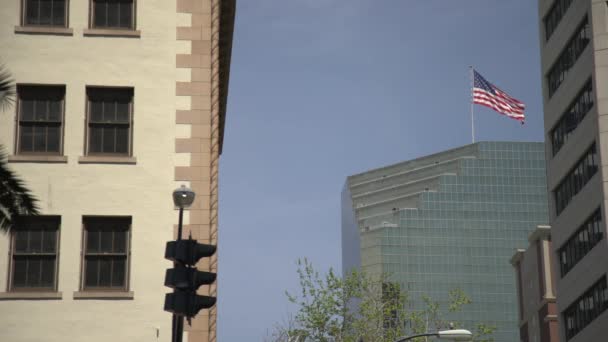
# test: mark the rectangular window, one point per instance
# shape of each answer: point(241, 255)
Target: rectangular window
point(109, 118)
point(576, 179)
point(566, 60)
point(44, 13)
point(572, 117)
point(555, 15)
point(106, 253)
point(113, 14)
point(40, 119)
point(586, 308)
point(581, 242)
point(34, 248)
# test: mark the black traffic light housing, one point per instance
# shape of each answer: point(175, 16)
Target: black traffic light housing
point(185, 279)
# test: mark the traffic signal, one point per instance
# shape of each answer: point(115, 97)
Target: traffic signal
point(185, 279)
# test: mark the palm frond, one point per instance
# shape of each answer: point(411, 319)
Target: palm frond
point(15, 199)
point(7, 88)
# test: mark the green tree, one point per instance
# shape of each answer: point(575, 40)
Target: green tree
point(362, 307)
point(15, 198)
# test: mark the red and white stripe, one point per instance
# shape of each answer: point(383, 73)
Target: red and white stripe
point(500, 102)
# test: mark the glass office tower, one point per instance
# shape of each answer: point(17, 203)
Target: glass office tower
point(450, 220)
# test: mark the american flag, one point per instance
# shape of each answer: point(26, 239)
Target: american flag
point(489, 95)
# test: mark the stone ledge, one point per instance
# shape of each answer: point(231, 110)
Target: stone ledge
point(106, 160)
point(111, 33)
point(104, 295)
point(36, 159)
point(61, 31)
point(30, 295)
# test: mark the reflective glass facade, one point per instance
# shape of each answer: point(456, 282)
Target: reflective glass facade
point(451, 220)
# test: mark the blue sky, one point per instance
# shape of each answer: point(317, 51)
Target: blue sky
point(322, 89)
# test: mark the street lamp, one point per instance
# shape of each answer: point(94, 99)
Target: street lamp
point(182, 198)
point(452, 335)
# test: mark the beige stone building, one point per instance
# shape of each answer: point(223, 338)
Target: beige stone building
point(119, 102)
point(574, 61)
point(537, 310)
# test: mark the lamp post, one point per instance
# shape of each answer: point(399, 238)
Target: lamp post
point(452, 335)
point(182, 198)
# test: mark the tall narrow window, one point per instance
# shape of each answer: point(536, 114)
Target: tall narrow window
point(40, 119)
point(34, 254)
point(44, 13)
point(109, 121)
point(106, 253)
point(113, 14)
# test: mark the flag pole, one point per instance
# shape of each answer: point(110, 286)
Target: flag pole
point(472, 118)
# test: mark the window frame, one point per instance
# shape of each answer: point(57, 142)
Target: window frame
point(575, 249)
point(133, 18)
point(572, 50)
point(579, 314)
point(87, 142)
point(580, 99)
point(565, 191)
point(18, 106)
point(558, 5)
point(11, 264)
point(127, 280)
point(23, 21)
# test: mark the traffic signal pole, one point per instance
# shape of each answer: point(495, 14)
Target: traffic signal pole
point(178, 321)
point(184, 278)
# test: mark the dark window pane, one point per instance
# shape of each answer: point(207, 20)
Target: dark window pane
point(122, 140)
point(118, 272)
point(113, 14)
point(39, 139)
point(59, 13)
point(92, 241)
point(96, 111)
point(41, 109)
point(31, 12)
point(53, 138)
point(91, 271)
point(109, 140)
point(54, 111)
point(122, 111)
point(26, 141)
point(120, 241)
point(26, 108)
point(19, 271)
point(33, 272)
point(106, 241)
point(100, 16)
point(49, 241)
point(35, 244)
point(109, 111)
point(125, 14)
point(21, 238)
point(47, 278)
point(45, 12)
point(96, 139)
point(105, 272)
